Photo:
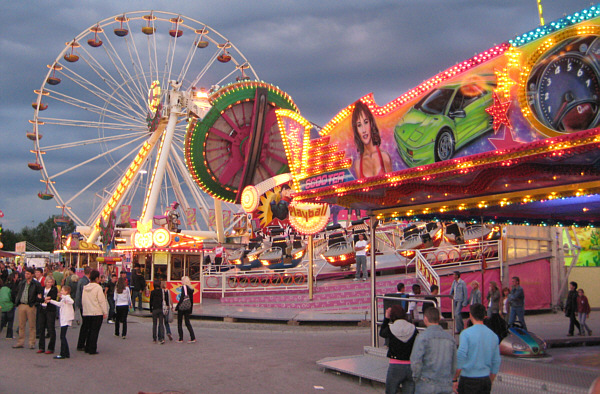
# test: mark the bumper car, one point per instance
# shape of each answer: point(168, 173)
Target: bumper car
point(523, 344)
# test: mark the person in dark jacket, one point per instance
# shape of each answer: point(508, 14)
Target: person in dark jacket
point(571, 309)
point(26, 301)
point(186, 291)
point(401, 335)
point(139, 286)
point(156, 308)
point(47, 316)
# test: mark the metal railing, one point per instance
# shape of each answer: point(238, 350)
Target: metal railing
point(425, 272)
point(418, 298)
point(463, 254)
point(255, 280)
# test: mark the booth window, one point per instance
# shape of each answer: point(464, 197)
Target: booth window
point(177, 267)
point(194, 267)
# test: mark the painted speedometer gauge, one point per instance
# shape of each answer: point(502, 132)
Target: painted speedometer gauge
point(563, 89)
point(568, 94)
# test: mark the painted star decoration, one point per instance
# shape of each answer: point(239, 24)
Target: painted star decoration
point(506, 142)
point(499, 111)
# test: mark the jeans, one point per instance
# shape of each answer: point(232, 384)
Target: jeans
point(458, 320)
point(474, 385)
point(399, 374)
point(121, 316)
point(573, 323)
point(180, 317)
point(8, 319)
point(158, 317)
point(517, 311)
point(430, 387)
point(137, 294)
point(47, 322)
point(84, 332)
point(167, 326)
point(111, 308)
point(582, 318)
point(95, 323)
point(361, 267)
point(64, 345)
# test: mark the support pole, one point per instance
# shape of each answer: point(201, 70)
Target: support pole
point(161, 164)
point(219, 221)
point(311, 261)
point(540, 12)
point(374, 314)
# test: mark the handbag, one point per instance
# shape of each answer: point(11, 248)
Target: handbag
point(166, 309)
point(185, 304)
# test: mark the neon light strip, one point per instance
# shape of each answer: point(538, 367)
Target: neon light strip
point(542, 31)
point(419, 90)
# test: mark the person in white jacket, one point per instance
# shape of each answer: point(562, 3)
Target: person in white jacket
point(122, 304)
point(95, 309)
point(67, 315)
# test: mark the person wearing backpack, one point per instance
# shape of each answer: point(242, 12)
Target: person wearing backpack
point(184, 309)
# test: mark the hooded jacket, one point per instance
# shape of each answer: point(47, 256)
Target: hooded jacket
point(93, 300)
point(401, 335)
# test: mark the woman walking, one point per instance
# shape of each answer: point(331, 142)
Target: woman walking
point(48, 316)
point(95, 309)
point(493, 299)
point(122, 303)
point(7, 307)
point(184, 309)
point(167, 308)
point(401, 335)
point(156, 309)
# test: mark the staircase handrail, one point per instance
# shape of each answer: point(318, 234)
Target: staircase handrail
point(425, 272)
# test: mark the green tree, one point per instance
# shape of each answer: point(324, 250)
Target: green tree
point(40, 235)
point(9, 239)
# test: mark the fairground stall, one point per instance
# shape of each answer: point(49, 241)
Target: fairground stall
point(166, 256)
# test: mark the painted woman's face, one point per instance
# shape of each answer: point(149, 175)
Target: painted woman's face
point(363, 126)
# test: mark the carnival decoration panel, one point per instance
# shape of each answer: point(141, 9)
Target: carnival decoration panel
point(542, 85)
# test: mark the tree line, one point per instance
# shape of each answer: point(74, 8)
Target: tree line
point(40, 235)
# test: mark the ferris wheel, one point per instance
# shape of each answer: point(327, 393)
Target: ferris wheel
point(110, 117)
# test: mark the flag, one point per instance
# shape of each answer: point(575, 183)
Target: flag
point(190, 216)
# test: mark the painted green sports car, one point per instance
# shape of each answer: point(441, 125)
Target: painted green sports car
point(444, 121)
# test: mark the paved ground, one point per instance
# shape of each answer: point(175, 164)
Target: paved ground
point(228, 358)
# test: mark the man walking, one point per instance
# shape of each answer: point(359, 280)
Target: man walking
point(26, 300)
point(460, 298)
point(433, 358)
point(139, 286)
point(516, 298)
point(478, 356)
point(571, 309)
point(110, 297)
point(360, 249)
point(81, 283)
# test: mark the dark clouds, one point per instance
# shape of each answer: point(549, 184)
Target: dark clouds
point(325, 54)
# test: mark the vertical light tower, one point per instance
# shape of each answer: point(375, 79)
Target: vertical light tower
point(174, 109)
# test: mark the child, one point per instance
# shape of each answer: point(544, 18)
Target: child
point(67, 315)
point(583, 307)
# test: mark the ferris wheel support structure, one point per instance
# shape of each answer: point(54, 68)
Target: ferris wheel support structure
point(174, 110)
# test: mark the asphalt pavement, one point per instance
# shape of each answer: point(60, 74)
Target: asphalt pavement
point(227, 358)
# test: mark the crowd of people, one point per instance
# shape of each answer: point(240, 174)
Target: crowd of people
point(35, 299)
point(431, 361)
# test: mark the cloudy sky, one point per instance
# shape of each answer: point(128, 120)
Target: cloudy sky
point(325, 54)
